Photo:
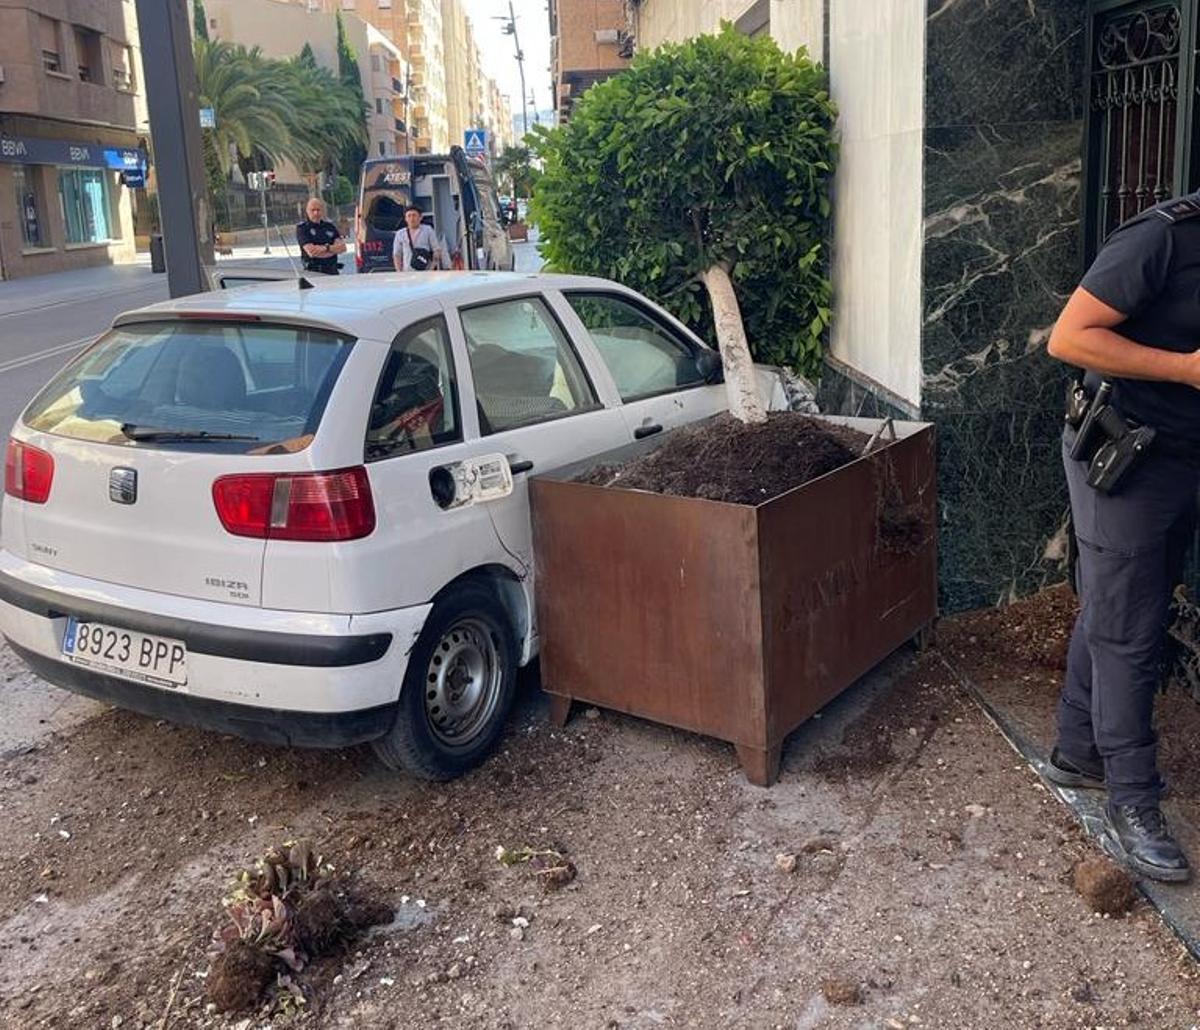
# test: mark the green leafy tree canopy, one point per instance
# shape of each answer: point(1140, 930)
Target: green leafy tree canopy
point(352, 155)
point(709, 157)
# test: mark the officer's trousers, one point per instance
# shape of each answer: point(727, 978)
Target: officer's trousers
point(1131, 550)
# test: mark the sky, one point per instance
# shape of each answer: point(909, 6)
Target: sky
point(498, 55)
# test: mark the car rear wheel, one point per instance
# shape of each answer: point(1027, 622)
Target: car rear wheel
point(458, 689)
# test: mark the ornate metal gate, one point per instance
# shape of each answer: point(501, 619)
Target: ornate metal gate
point(1141, 92)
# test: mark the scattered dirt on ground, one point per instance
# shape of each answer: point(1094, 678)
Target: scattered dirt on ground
point(1105, 886)
point(841, 992)
point(726, 460)
point(1033, 631)
point(932, 873)
point(238, 977)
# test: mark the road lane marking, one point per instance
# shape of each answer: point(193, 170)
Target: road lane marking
point(82, 298)
point(48, 352)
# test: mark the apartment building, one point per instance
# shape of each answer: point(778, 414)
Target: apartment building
point(589, 41)
point(390, 18)
point(71, 148)
point(458, 46)
point(497, 117)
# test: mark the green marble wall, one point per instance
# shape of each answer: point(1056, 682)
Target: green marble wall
point(1004, 111)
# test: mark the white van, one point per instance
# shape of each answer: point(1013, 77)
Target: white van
point(457, 200)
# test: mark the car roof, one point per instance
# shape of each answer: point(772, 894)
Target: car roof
point(355, 303)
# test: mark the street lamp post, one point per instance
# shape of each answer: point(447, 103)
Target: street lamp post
point(509, 28)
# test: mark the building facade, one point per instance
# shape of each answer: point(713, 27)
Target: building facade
point(71, 148)
point(589, 41)
point(985, 149)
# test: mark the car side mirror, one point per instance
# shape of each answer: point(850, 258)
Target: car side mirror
point(708, 364)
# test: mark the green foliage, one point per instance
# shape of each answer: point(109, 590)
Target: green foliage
point(353, 154)
point(343, 191)
point(268, 110)
point(307, 56)
point(199, 20)
point(515, 169)
point(718, 150)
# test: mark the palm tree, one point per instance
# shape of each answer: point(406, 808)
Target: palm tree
point(332, 115)
point(515, 164)
point(253, 114)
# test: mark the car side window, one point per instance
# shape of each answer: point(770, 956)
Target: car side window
point(644, 356)
point(416, 403)
point(524, 367)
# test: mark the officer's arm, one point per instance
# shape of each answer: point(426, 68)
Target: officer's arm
point(1084, 336)
point(338, 246)
point(310, 249)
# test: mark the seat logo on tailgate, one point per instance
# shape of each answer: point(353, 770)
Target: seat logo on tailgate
point(122, 485)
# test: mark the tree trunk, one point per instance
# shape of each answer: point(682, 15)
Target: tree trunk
point(741, 384)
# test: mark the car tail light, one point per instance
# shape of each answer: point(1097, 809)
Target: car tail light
point(321, 506)
point(28, 472)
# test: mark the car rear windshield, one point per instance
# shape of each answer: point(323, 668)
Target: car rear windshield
point(223, 386)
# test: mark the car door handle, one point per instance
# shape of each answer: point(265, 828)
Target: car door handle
point(644, 431)
point(519, 466)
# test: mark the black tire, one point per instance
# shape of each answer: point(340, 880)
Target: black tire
point(465, 651)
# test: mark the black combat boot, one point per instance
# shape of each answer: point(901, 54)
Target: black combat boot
point(1074, 772)
point(1149, 848)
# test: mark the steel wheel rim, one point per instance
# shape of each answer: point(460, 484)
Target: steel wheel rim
point(462, 683)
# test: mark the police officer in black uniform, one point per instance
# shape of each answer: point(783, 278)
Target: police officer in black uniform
point(319, 240)
point(1132, 456)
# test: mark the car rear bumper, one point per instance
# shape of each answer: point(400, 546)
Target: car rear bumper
point(252, 722)
point(298, 677)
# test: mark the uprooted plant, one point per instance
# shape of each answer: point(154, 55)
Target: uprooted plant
point(288, 910)
point(550, 866)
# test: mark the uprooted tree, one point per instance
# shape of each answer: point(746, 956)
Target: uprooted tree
point(700, 176)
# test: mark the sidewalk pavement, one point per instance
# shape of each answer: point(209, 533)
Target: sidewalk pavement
point(32, 293)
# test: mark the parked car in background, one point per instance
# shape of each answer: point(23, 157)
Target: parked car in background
point(251, 509)
point(457, 199)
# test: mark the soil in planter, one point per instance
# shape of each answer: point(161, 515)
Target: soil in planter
point(727, 460)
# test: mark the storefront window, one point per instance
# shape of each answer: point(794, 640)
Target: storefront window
point(29, 206)
point(85, 203)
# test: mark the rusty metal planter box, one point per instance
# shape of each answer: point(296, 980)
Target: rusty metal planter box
point(732, 620)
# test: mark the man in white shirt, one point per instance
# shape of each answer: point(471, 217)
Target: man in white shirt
point(416, 248)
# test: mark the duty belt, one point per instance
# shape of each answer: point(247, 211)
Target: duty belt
point(1110, 444)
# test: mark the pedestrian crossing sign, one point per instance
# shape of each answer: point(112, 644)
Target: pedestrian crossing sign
point(475, 141)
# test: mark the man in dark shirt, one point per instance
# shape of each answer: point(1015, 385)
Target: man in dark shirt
point(1134, 322)
point(319, 240)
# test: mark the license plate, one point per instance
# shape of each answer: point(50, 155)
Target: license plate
point(139, 656)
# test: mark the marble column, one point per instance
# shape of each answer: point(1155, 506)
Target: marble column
point(1004, 107)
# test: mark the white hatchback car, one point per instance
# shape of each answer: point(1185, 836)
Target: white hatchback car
point(238, 510)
